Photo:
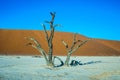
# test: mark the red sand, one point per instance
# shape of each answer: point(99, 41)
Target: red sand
point(13, 42)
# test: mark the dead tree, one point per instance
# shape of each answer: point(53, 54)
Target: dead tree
point(73, 48)
point(49, 38)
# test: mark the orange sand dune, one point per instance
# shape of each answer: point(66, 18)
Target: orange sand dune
point(13, 42)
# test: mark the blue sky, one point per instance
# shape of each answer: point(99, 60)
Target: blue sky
point(92, 18)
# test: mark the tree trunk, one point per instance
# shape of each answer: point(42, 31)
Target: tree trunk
point(50, 54)
point(50, 62)
point(67, 59)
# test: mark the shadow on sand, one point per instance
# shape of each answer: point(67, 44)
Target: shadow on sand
point(76, 63)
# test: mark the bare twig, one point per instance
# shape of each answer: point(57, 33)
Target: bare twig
point(66, 45)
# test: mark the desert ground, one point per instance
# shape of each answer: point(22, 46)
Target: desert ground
point(99, 58)
point(34, 68)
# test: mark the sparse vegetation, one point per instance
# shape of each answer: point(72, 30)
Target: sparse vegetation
point(49, 38)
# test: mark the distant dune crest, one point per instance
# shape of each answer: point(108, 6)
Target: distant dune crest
point(13, 42)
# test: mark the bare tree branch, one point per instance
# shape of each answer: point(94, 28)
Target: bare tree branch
point(79, 46)
point(59, 25)
point(35, 41)
point(66, 45)
point(38, 47)
point(74, 41)
point(51, 26)
point(45, 31)
point(53, 16)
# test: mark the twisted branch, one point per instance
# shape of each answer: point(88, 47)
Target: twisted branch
point(62, 63)
point(37, 46)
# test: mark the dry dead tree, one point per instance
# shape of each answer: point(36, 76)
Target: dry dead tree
point(76, 44)
point(49, 38)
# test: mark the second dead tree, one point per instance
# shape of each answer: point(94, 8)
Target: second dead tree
point(76, 44)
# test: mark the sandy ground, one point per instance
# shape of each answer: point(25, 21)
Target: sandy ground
point(34, 68)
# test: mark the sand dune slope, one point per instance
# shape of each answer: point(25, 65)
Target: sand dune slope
point(13, 42)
